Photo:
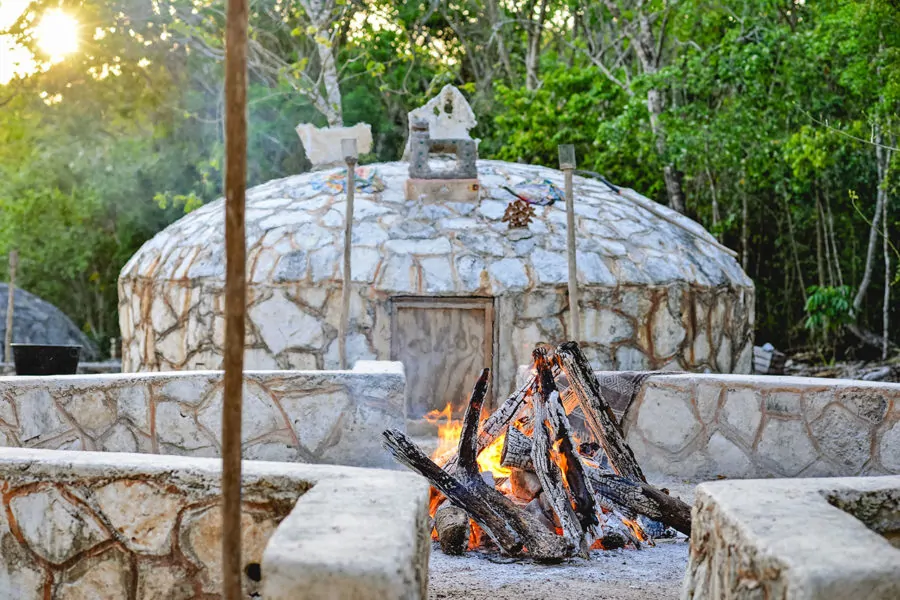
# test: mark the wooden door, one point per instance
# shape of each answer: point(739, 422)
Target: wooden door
point(443, 343)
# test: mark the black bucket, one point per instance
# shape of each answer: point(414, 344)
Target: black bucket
point(45, 359)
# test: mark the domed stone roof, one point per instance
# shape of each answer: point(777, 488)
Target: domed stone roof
point(295, 225)
point(36, 321)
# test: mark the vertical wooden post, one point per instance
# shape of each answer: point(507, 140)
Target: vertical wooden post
point(567, 164)
point(10, 305)
point(235, 290)
point(348, 147)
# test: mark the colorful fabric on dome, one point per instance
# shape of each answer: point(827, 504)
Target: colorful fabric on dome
point(541, 192)
point(368, 181)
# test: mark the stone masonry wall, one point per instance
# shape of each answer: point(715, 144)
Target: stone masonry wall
point(704, 426)
point(675, 327)
point(93, 525)
point(79, 533)
point(317, 417)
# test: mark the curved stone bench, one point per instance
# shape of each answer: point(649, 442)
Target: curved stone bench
point(332, 417)
point(142, 527)
point(742, 426)
point(812, 539)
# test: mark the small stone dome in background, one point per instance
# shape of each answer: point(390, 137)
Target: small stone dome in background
point(36, 321)
point(440, 283)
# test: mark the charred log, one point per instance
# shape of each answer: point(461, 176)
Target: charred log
point(642, 499)
point(598, 414)
point(452, 526)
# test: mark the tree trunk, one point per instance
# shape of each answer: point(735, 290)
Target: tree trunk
point(820, 243)
point(886, 309)
point(831, 239)
point(790, 222)
point(320, 14)
point(533, 53)
point(674, 191)
point(876, 220)
point(745, 227)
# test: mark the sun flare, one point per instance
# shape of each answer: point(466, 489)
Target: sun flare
point(57, 34)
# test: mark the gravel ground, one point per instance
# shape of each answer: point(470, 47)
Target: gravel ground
point(654, 573)
point(648, 574)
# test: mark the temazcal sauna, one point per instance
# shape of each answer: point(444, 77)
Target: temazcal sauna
point(457, 264)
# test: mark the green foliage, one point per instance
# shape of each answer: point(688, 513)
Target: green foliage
point(828, 309)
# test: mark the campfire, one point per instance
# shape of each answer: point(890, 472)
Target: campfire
point(522, 482)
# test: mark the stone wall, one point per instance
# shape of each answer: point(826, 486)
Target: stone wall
point(333, 417)
point(84, 525)
point(811, 539)
point(704, 426)
point(671, 327)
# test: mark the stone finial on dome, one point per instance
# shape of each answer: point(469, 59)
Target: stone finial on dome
point(323, 145)
point(447, 115)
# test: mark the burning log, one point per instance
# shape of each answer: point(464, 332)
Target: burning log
point(614, 492)
point(452, 526)
point(511, 527)
point(548, 410)
point(642, 499)
point(597, 413)
point(554, 499)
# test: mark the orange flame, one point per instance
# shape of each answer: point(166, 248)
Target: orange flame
point(449, 430)
point(636, 529)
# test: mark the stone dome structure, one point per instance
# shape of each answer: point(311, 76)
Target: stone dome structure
point(36, 321)
point(445, 280)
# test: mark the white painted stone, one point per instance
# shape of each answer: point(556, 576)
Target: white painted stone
point(91, 411)
point(509, 273)
point(105, 576)
point(708, 400)
point(175, 425)
point(426, 246)
point(185, 389)
point(742, 412)
point(162, 581)
point(38, 415)
point(667, 332)
point(363, 264)
point(313, 417)
point(133, 403)
point(55, 528)
point(143, 515)
point(843, 438)
point(550, 267)
point(438, 274)
point(787, 444)
point(471, 271)
point(323, 145)
point(282, 324)
point(629, 358)
point(259, 359)
point(605, 325)
point(592, 269)
point(454, 123)
point(259, 415)
point(397, 274)
point(727, 457)
point(677, 429)
point(492, 209)
point(723, 356)
point(889, 448)
point(161, 316)
point(119, 439)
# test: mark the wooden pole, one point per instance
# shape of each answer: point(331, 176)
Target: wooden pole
point(10, 305)
point(349, 148)
point(567, 164)
point(235, 290)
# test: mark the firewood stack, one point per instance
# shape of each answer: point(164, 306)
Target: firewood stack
point(562, 497)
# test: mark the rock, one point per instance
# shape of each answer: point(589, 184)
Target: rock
point(175, 425)
point(787, 444)
point(890, 442)
point(201, 540)
point(93, 412)
point(667, 333)
point(259, 414)
point(550, 267)
point(323, 145)
point(509, 273)
point(55, 528)
point(843, 438)
point(105, 576)
point(163, 582)
point(38, 415)
point(680, 426)
point(282, 324)
point(728, 459)
point(313, 417)
point(142, 514)
point(606, 325)
point(742, 412)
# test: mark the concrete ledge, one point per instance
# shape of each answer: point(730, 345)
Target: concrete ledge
point(87, 525)
point(795, 539)
point(332, 417)
point(375, 547)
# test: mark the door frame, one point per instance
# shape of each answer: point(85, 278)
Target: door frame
point(485, 303)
